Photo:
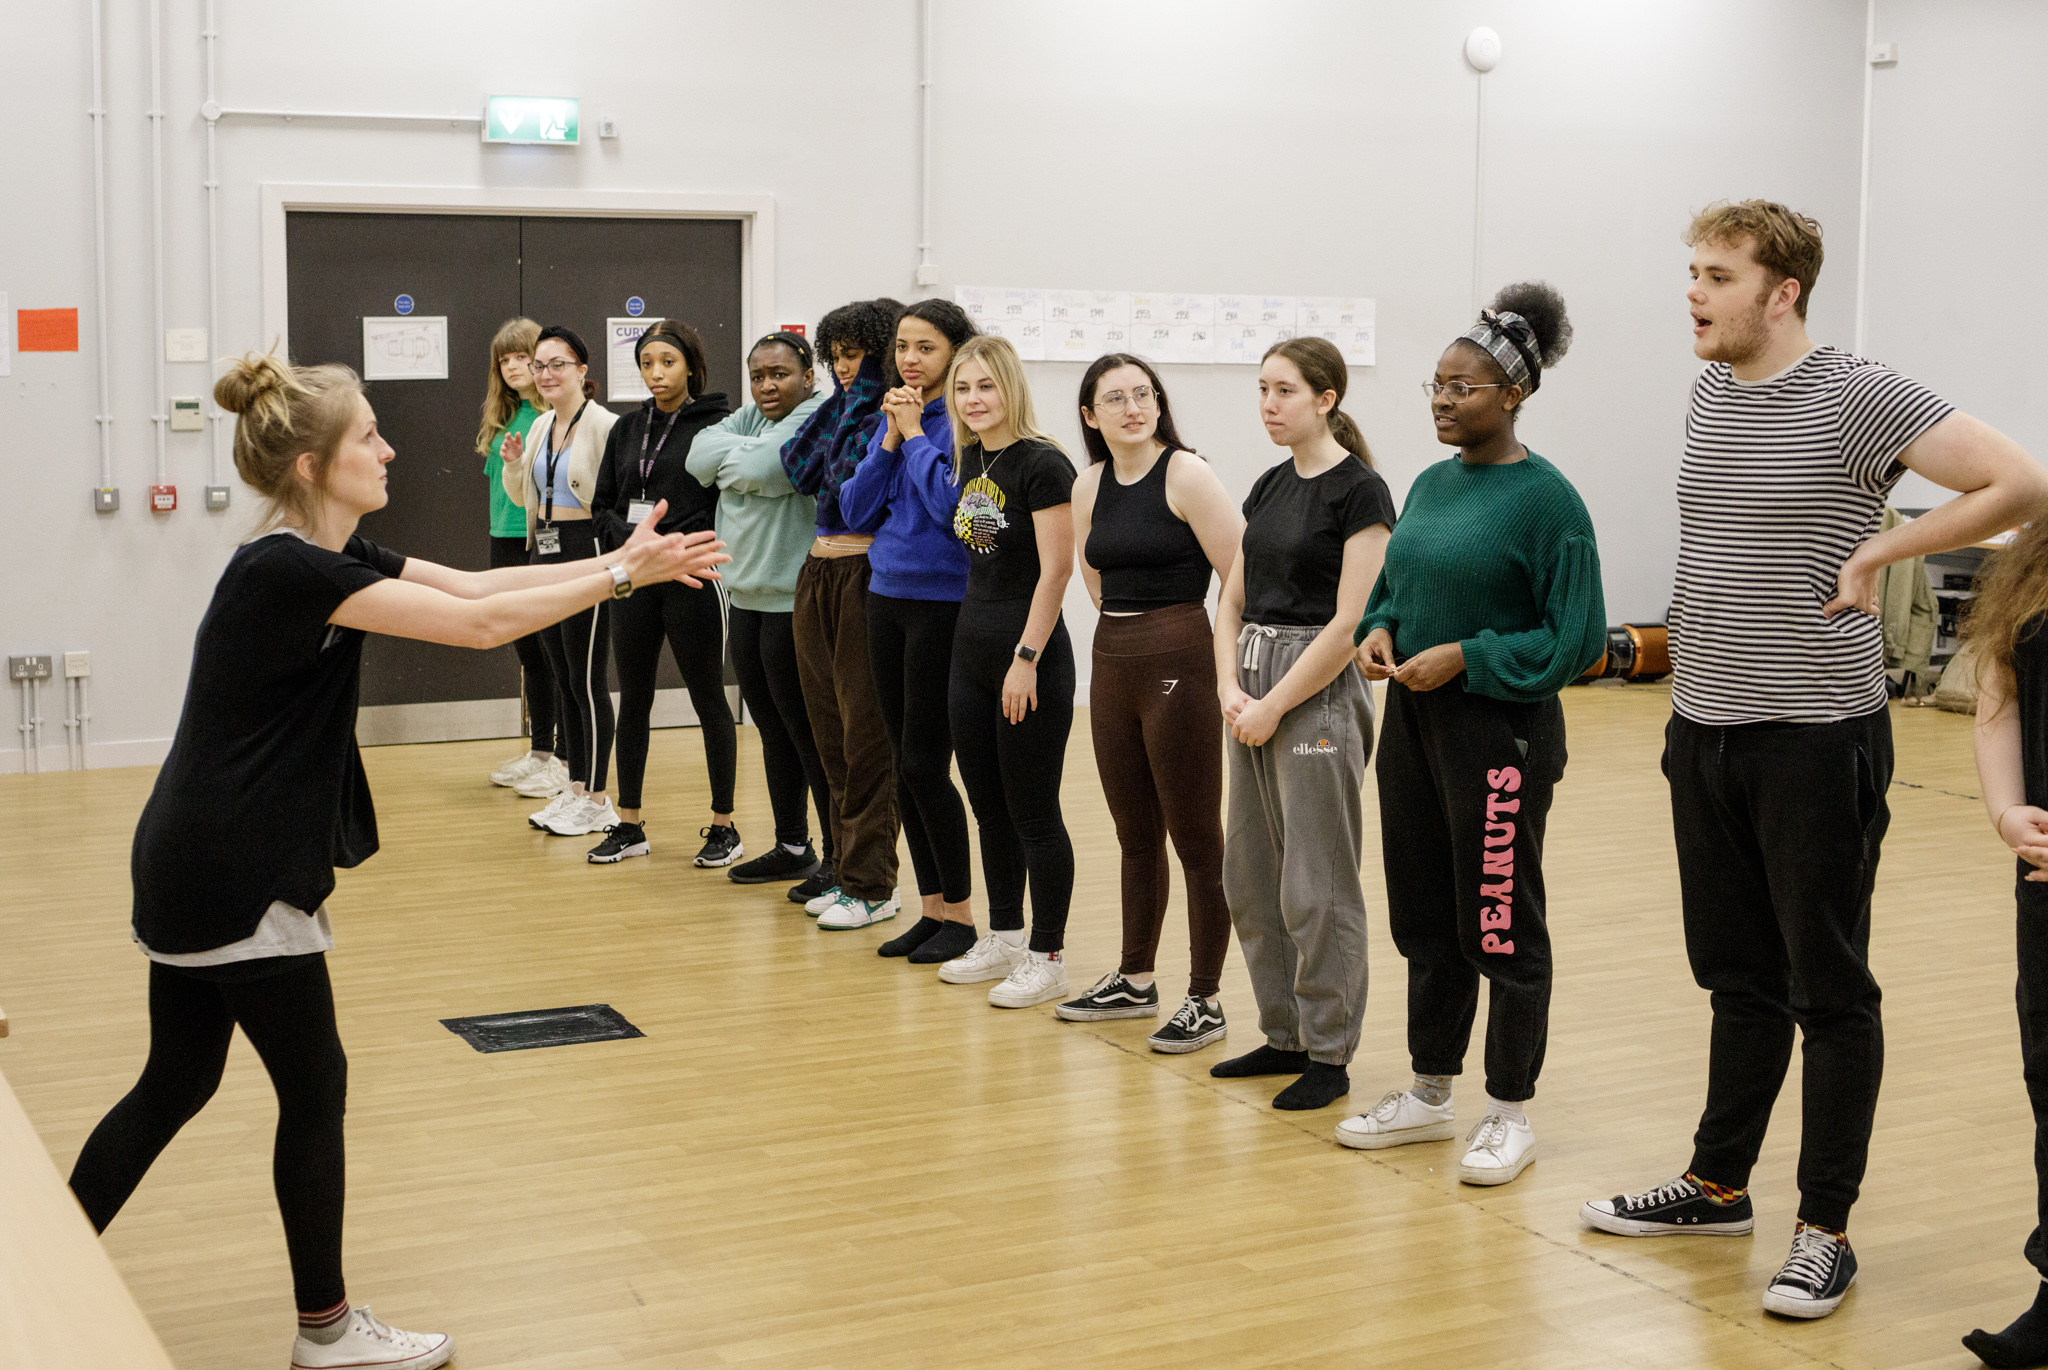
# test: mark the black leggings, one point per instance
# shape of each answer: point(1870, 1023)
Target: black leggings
point(289, 1018)
point(910, 643)
point(537, 677)
point(693, 623)
point(1013, 770)
point(575, 649)
point(764, 658)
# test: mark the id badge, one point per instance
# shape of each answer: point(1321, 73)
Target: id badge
point(548, 542)
point(638, 510)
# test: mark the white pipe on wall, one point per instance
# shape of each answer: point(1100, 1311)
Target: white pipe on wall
point(925, 274)
point(105, 418)
point(161, 415)
point(1863, 206)
point(215, 414)
point(1478, 183)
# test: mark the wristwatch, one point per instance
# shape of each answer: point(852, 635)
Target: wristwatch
point(1028, 654)
point(622, 583)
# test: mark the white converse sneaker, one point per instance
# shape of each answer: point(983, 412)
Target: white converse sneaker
point(552, 778)
point(1035, 980)
point(1497, 1150)
point(519, 768)
point(368, 1342)
point(540, 818)
point(989, 959)
point(852, 911)
point(816, 907)
point(1400, 1117)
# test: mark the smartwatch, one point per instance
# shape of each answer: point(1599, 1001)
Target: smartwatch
point(622, 583)
point(1027, 654)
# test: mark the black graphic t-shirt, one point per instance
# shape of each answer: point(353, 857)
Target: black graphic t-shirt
point(999, 492)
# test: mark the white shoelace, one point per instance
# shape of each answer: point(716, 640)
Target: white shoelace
point(1387, 1107)
point(1812, 1260)
point(1671, 1191)
point(1491, 1134)
point(1188, 1015)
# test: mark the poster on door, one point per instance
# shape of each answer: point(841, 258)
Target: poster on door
point(412, 347)
point(622, 368)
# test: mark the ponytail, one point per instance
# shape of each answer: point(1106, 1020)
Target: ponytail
point(1322, 367)
point(1346, 432)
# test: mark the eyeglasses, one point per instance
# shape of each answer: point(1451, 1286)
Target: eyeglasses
point(1457, 390)
point(1116, 401)
point(561, 364)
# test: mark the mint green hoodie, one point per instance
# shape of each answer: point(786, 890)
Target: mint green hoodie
point(766, 525)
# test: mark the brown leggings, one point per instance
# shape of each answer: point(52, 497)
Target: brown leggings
point(1159, 749)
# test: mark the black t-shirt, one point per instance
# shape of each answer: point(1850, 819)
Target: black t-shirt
point(1294, 535)
point(263, 793)
point(999, 492)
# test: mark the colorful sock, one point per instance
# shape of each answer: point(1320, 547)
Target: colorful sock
point(1834, 1232)
point(1434, 1090)
point(2025, 1342)
point(1719, 1193)
point(325, 1327)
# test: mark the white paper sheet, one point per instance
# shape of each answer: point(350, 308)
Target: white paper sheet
point(1026, 335)
point(409, 348)
point(622, 371)
point(1348, 321)
point(1087, 306)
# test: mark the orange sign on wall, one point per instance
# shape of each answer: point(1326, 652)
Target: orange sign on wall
point(46, 330)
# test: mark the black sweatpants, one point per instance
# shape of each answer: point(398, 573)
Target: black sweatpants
point(910, 643)
point(1778, 829)
point(288, 1017)
point(2033, 1006)
point(693, 623)
point(1012, 770)
point(1465, 789)
point(576, 651)
point(764, 659)
point(537, 677)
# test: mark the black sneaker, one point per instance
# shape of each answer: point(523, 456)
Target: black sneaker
point(1112, 997)
point(1675, 1208)
point(822, 879)
point(627, 839)
point(1815, 1277)
point(1193, 1026)
point(777, 863)
point(722, 846)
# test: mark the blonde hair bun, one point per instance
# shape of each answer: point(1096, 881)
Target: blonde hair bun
point(251, 380)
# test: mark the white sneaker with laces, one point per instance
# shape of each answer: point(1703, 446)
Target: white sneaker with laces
point(1400, 1117)
point(551, 778)
point(369, 1342)
point(520, 767)
point(852, 911)
point(1497, 1150)
point(989, 959)
point(540, 818)
point(1035, 980)
point(586, 816)
point(816, 907)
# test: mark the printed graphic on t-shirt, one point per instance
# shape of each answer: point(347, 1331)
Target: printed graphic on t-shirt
point(980, 515)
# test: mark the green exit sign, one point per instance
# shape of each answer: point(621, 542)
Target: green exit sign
point(530, 119)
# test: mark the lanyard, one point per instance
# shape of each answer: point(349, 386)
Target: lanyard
point(554, 454)
point(647, 462)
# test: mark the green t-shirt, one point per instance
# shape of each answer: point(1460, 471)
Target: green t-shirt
point(508, 520)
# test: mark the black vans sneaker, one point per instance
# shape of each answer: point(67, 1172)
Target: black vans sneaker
point(1675, 1208)
point(822, 879)
point(1815, 1277)
point(1112, 997)
point(627, 839)
point(1194, 1025)
point(777, 863)
point(722, 846)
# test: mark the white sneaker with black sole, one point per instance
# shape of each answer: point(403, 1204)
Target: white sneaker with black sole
point(1194, 1025)
point(1399, 1119)
point(1036, 979)
point(1815, 1278)
point(1497, 1150)
point(368, 1343)
point(627, 839)
point(1111, 997)
point(852, 912)
point(989, 959)
point(540, 818)
point(551, 779)
point(520, 767)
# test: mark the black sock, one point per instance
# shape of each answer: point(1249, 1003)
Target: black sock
point(911, 938)
point(1261, 1061)
point(1321, 1085)
point(951, 940)
point(2024, 1343)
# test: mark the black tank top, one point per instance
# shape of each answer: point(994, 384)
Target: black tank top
point(1148, 559)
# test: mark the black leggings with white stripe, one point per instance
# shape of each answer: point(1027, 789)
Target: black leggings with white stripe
point(575, 649)
point(693, 622)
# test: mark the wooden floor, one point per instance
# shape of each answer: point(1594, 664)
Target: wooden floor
point(819, 1158)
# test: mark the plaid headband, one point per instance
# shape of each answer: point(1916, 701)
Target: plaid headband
point(1510, 340)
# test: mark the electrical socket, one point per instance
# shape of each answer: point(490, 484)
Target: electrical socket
point(77, 665)
point(216, 497)
point(106, 500)
point(28, 668)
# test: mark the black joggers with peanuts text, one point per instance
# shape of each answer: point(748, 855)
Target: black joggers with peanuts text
point(692, 621)
point(764, 659)
point(1465, 788)
point(1778, 828)
point(910, 643)
point(576, 651)
point(537, 677)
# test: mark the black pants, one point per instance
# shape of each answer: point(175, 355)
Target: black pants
point(764, 658)
point(1465, 790)
point(576, 651)
point(1778, 829)
point(1012, 770)
point(289, 1018)
point(693, 622)
point(537, 677)
point(910, 643)
point(2032, 997)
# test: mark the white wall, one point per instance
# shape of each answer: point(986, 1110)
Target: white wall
point(1201, 145)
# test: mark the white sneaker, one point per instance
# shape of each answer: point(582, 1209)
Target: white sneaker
point(1035, 980)
point(368, 1342)
point(586, 815)
point(1400, 1117)
point(989, 959)
point(550, 778)
point(1497, 1150)
point(816, 907)
point(540, 818)
point(852, 911)
point(517, 769)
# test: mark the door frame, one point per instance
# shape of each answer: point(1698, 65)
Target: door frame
point(756, 215)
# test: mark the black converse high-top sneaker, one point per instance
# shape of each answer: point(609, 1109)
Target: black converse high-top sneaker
point(1815, 1277)
point(1677, 1207)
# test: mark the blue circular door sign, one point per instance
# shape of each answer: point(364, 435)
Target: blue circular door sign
point(636, 306)
point(403, 304)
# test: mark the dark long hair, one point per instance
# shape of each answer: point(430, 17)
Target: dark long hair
point(949, 318)
point(1098, 446)
point(1322, 366)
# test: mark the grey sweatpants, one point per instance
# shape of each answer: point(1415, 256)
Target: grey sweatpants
point(1291, 850)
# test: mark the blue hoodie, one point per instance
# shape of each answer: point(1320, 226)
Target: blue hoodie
point(906, 499)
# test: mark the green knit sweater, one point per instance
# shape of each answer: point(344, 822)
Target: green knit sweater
point(1501, 560)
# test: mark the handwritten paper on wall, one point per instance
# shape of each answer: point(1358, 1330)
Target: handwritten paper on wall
point(1081, 325)
point(412, 347)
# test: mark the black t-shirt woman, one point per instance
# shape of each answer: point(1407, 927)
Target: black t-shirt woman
point(263, 795)
point(1300, 720)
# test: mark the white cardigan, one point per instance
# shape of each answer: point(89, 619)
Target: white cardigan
point(586, 456)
